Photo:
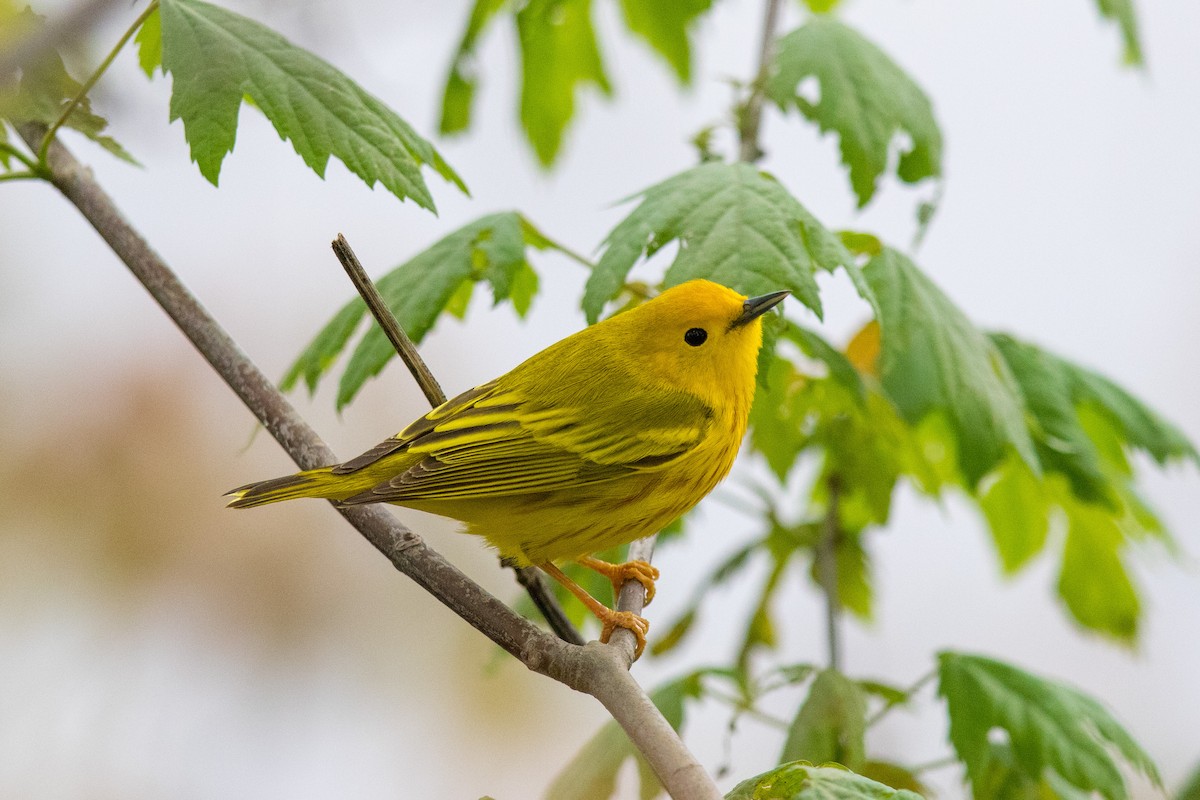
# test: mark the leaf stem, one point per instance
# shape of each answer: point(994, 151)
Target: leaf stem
point(825, 555)
point(937, 763)
point(22, 175)
point(750, 116)
point(92, 80)
point(749, 711)
point(19, 155)
point(908, 693)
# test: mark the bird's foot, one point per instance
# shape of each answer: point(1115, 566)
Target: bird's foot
point(641, 571)
point(631, 622)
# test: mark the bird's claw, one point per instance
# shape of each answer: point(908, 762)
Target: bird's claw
point(631, 622)
point(641, 571)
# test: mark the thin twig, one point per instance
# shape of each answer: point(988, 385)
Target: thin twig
point(529, 578)
point(827, 570)
point(594, 669)
point(632, 598)
point(391, 328)
point(908, 693)
point(750, 118)
point(91, 81)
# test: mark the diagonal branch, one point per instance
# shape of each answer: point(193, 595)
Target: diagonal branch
point(528, 577)
point(599, 670)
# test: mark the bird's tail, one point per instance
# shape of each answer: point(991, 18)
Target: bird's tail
point(312, 483)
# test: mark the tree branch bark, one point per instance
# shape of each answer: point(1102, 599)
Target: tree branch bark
point(751, 112)
point(599, 670)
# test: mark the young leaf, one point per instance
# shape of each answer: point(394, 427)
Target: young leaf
point(831, 725)
point(45, 89)
point(735, 224)
point(592, 774)
point(1018, 514)
point(149, 42)
point(934, 360)
point(558, 53)
point(491, 249)
point(664, 25)
point(865, 98)
point(216, 58)
point(1093, 580)
point(1050, 727)
point(1122, 13)
point(461, 83)
point(803, 781)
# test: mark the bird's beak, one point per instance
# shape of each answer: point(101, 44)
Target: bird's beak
point(755, 307)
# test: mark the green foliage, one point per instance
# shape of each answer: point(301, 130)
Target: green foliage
point(1051, 728)
point(1191, 787)
point(462, 80)
point(217, 58)
point(735, 224)
point(664, 25)
point(865, 98)
point(559, 52)
point(592, 774)
point(803, 781)
point(491, 249)
point(45, 89)
point(1121, 12)
point(831, 725)
point(934, 360)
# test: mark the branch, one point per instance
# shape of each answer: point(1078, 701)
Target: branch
point(528, 577)
point(599, 670)
point(751, 112)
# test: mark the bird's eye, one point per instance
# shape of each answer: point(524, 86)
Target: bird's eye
point(695, 336)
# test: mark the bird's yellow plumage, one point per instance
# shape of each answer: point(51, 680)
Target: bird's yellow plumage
point(598, 440)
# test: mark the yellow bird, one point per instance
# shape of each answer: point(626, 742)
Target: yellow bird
point(600, 439)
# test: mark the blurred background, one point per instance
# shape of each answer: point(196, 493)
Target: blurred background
point(154, 644)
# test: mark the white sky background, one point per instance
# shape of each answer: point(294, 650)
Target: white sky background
point(1069, 217)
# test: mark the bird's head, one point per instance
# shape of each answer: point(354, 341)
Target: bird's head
point(700, 337)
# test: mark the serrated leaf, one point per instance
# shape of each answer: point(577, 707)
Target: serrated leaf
point(45, 89)
point(149, 43)
point(1121, 12)
point(1050, 726)
point(1018, 514)
point(216, 58)
point(865, 98)
point(831, 724)
point(1093, 580)
point(1004, 780)
point(559, 53)
point(1062, 444)
point(934, 361)
point(735, 225)
point(665, 24)
point(462, 81)
point(592, 774)
point(802, 781)
point(491, 249)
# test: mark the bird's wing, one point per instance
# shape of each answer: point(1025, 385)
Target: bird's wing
point(489, 443)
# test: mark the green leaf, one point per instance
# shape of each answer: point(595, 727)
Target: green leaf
point(854, 593)
point(462, 81)
point(491, 249)
point(735, 224)
point(1093, 580)
point(664, 24)
point(822, 6)
point(1191, 787)
point(149, 42)
point(895, 776)
point(934, 360)
point(1122, 13)
point(831, 725)
point(1051, 727)
point(45, 89)
point(865, 98)
point(802, 781)
point(559, 52)
point(1018, 514)
point(1062, 444)
point(1003, 779)
point(592, 774)
point(216, 58)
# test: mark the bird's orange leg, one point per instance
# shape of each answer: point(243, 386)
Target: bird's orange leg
point(640, 571)
point(610, 619)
